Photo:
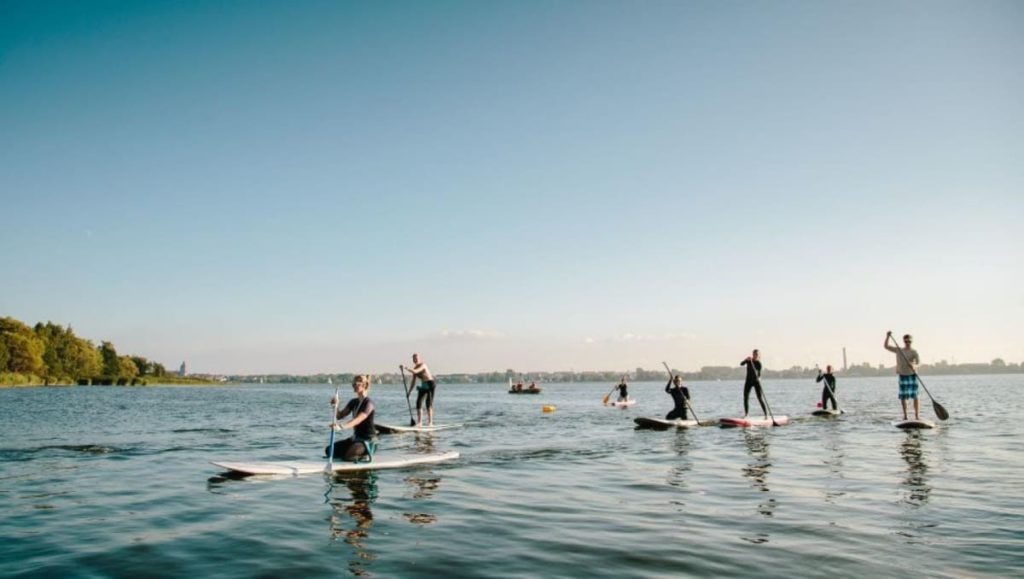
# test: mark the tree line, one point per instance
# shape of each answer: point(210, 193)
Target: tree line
point(52, 354)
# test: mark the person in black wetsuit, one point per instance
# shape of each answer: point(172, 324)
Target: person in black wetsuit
point(680, 394)
point(623, 390)
point(753, 381)
point(364, 437)
point(828, 389)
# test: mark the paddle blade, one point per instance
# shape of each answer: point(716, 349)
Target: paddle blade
point(605, 399)
point(940, 411)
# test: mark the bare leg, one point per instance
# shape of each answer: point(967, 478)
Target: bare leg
point(917, 409)
point(430, 415)
point(903, 403)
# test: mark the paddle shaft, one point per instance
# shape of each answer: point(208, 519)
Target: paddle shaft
point(685, 399)
point(760, 387)
point(940, 411)
point(334, 425)
point(412, 421)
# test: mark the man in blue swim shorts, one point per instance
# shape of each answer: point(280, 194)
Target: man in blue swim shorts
point(906, 363)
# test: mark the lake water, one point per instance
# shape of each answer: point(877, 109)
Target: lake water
point(107, 481)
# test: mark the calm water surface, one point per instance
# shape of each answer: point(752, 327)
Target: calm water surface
point(99, 481)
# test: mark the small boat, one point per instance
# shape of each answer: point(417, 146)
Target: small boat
point(526, 391)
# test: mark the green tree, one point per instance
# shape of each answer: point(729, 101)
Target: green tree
point(4, 356)
point(127, 368)
point(144, 366)
point(24, 348)
point(111, 364)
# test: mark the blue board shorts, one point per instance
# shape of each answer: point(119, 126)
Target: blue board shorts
point(908, 387)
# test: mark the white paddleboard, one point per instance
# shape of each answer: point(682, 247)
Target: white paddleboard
point(909, 424)
point(303, 467)
point(748, 422)
point(821, 412)
point(392, 429)
point(661, 423)
point(623, 404)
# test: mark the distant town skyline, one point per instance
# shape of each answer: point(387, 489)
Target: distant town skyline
point(311, 187)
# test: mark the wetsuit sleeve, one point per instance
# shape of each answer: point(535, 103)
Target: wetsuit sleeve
point(668, 385)
point(686, 392)
point(819, 378)
point(367, 408)
point(343, 412)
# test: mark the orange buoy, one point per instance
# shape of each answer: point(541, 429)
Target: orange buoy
point(547, 408)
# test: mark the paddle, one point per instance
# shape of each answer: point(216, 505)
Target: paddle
point(334, 425)
point(408, 391)
point(938, 408)
point(609, 394)
point(688, 405)
point(764, 397)
point(832, 392)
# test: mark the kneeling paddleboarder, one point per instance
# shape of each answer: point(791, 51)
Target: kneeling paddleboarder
point(680, 395)
point(363, 442)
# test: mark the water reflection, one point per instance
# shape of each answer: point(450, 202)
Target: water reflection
point(422, 485)
point(351, 516)
point(757, 469)
point(677, 475)
point(915, 484)
point(834, 460)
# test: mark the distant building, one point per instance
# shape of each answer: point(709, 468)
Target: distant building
point(182, 371)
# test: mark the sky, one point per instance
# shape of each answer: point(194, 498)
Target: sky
point(304, 187)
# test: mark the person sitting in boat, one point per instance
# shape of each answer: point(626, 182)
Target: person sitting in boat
point(829, 389)
point(623, 390)
point(680, 395)
point(533, 387)
point(363, 442)
point(519, 386)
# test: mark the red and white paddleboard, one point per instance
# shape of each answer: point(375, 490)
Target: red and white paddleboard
point(748, 422)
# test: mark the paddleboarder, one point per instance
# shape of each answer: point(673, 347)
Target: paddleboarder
point(363, 441)
point(828, 389)
point(623, 390)
point(680, 394)
point(906, 362)
point(753, 381)
point(425, 390)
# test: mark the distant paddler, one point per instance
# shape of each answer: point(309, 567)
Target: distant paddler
point(906, 362)
point(753, 382)
point(623, 390)
point(425, 390)
point(828, 390)
point(363, 442)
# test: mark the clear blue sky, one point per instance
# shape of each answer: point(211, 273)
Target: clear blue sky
point(328, 186)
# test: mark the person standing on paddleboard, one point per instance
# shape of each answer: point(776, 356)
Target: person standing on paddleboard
point(906, 362)
point(425, 391)
point(623, 390)
point(753, 381)
point(363, 441)
point(680, 394)
point(828, 389)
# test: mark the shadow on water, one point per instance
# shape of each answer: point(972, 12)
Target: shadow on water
point(350, 496)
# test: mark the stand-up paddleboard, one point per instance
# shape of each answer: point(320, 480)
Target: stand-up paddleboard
point(661, 423)
point(748, 422)
point(390, 429)
point(622, 404)
point(822, 412)
point(297, 468)
point(911, 424)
